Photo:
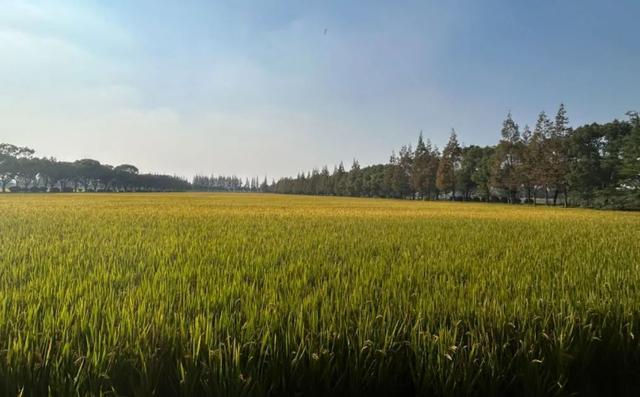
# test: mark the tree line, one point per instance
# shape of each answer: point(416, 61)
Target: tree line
point(595, 165)
point(222, 183)
point(21, 171)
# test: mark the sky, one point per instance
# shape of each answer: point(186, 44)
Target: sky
point(257, 88)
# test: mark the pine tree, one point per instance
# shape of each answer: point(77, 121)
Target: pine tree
point(506, 168)
point(398, 178)
point(630, 170)
point(324, 185)
point(446, 179)
point(340, 177)
point(387, 176)
point(527, 163)
point(540, 152)
point(405, 172)
point(510, 131)
point(432, 170)
point(420, 169)
point(355, 182)
point(558, 156)
point(561, 126)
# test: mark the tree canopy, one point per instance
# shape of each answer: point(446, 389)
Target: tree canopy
point(20, 171)
point(595, 165)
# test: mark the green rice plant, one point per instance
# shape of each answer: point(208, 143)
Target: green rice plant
point(232, 294)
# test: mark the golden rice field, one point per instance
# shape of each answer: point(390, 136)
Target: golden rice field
point(249, 294)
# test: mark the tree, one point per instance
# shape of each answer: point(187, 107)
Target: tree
point(27, 172)
point(9, 162)
point(446, 179)
point(561, 126)
point(340, 178)
point(630, 171)
point(585, 168)
point(482, 173)
point(60, 173)
point(472, 158)
point(432, 171)
point(8, 170)
point(505, 173)
point(88, 173)
point(372, 177)
point(387, 176)
point(405, 163)
point(104, 175)
point(557, 155)
point(398, 179)
point(354, 186)
point(536, 162)
point(527, 164)
point(324, 183)
point(419, 173)
point(595, 165)
point(125, 176)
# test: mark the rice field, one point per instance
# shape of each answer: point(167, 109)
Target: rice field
point(252, 295)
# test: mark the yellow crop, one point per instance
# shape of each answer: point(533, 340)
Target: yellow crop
point(249, 294)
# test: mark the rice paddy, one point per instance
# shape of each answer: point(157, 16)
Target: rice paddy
point(251, 294)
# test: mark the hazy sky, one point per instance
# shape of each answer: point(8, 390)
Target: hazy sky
point(255, 87)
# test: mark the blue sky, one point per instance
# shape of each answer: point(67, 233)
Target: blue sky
point(257, 87)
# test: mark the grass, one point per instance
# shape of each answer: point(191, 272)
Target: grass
point(231, 294)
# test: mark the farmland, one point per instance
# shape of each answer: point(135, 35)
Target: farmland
point(252, 294)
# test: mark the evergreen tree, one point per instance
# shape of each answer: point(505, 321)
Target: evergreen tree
point(324, 184)
point(482, 174)
point(507, 160)
point(537, 155)
point(387, 188)
point(405, 162)
point(558, 156)
point(419, 173)
point(355, 180)
point(472, 158)
point(561, 126)
point(585, 168)
point(340, 181)
point(527, 158)
point(630, 170)
point(432, 171)
point(399, 181)
point(446, 179)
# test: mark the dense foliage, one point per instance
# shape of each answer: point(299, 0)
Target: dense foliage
point(596, 165)
point(221, 183)
point(23, 172)
point(197, 294)
point(593, 166)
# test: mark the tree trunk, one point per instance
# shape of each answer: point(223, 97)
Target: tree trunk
point(546, 196)
point(555, 197)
